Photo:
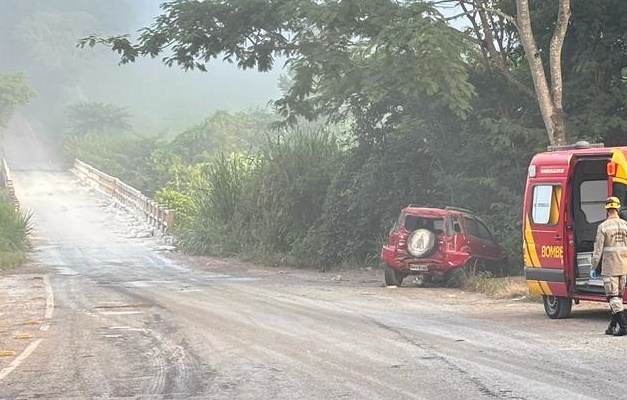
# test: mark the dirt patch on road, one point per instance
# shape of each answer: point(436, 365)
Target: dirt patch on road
point(500, 289)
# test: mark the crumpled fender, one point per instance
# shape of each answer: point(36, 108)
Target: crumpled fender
point(458, 258)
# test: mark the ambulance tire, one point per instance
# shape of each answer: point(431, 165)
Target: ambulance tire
point(557, 307)
point(392, 276)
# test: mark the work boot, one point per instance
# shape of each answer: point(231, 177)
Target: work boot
point(622, 324)
point(612, 326)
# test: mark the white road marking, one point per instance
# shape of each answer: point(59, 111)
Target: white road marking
point(31, 347)
point(66, 271)
point(15, 363)
point(120, 312)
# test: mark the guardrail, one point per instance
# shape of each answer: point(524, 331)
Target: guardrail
point(7, 183)
point(156, 214)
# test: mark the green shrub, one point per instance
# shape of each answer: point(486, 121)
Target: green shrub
point(15, 228)
point(501, 288)
point(181, 203)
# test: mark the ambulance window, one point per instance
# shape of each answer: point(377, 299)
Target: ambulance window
point(545, 204)
point(592, 195)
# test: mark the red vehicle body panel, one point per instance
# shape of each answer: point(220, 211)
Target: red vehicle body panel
point(549, 249)
point(453, 250)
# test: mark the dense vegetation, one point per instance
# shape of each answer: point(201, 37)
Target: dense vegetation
point(14, 225)
point(15, 228)
point(14, 91)
point(385, 104)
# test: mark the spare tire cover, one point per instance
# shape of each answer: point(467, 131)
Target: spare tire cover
point(421, 242)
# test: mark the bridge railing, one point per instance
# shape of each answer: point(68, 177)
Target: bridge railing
point(156, 215)
point(7, 183)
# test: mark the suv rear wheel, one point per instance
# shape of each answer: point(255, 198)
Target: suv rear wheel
point(455, 277)
point(392, 276)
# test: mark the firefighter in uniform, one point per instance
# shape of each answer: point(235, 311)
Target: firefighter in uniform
point(610, 249)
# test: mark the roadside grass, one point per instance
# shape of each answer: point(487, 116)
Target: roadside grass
point(508, 287)
point(15, 229)
point(12, 259)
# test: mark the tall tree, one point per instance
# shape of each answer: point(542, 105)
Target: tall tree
point(491, 22)
point(549, 95)
point(98, 118)
point(14, 91)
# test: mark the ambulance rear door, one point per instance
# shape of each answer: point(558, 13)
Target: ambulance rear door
point(545, 238)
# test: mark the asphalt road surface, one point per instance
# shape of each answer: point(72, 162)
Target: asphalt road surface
point(98, 314)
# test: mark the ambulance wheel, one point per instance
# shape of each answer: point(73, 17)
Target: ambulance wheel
point(557, 307)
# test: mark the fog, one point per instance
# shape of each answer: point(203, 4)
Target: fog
point(38, 37)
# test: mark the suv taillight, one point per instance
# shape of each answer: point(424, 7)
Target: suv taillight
point(402, 239)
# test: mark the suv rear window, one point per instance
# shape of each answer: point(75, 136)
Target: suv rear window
point(435, 225)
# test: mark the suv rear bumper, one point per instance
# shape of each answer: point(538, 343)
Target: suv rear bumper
point(428, 266)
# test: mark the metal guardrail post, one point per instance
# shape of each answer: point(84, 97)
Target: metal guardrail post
point(157, 215)
point(7, 183)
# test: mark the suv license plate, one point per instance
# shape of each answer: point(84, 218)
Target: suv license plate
point(419, 267)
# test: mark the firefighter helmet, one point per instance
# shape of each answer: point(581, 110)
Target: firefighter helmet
point(612, 202)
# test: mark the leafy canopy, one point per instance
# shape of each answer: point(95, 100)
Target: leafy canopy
point(14, 91)
point(95, 117)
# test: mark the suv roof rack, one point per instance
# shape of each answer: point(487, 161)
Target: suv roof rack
point(453, 208)
point(582, 144)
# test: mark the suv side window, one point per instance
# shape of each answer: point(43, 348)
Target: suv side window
point(450, 226)
point(457, 225)
point(472, 226)
point(484, 232)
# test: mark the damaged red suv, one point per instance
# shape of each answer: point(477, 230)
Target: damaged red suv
point(440, 244)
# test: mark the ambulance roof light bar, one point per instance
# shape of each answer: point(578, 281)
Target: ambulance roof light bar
point(581, 144)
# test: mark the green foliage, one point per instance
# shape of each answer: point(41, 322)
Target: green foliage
point(14, 91)
point(263, 205)
point(126, 157)
point(595, 88)
point(500, 288)
point(181, 203)
point(290, 185)
point(218, 204)
point(223, 131)
point(404, 84)
point(97, 118)
point(15, 228)
point(366, 195)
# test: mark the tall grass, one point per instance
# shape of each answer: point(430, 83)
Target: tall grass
point(15, 228)
point(500, 288)
point(219, 207)
point(262, 207)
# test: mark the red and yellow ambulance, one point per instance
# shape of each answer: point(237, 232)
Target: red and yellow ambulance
point(563, 206)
